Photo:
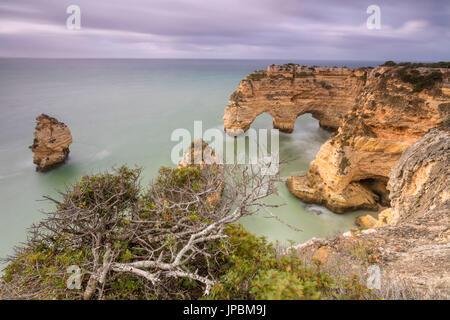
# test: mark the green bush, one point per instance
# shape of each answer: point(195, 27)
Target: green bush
point(418, 80)
point(389, 63)
point(302, 74)
point(255, 271)
point(343, 164)
point(257, 75)
point(325, 85)
point(440, 64)
point(237, 97)
point(247, 266)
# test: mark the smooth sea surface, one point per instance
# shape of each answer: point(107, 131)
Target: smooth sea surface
point(123, 112)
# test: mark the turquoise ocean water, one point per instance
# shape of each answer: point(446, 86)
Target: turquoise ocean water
point(123, 112)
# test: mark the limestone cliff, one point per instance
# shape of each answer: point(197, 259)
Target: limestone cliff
point(391, 111)
point(413, 250)
point(420, 182)
point(51, 143)
point(288, 91)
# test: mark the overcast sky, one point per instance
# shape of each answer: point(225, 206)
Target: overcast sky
point(249, 29)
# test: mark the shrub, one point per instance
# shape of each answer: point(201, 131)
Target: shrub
point(255, 271)
point(343, 164)
point(301, 74)
point(237, 97)
point(418, 80)
point(127, 240)
point(257, 76)
point(389, 63)
point(167, 242)
point(325, 85)
point(441, 64)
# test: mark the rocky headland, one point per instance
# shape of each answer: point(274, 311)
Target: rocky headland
point(390, 152)
point(378, 113)
point(51, 143)
point(288, 91)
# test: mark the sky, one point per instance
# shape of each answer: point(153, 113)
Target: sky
point(410, 30)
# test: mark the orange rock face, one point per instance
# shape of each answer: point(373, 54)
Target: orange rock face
point(51, 143)
point(389, 116)
point(286, 92)
point(379, 113)
point(411, 240)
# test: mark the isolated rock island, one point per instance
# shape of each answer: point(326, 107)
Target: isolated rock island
point(51, 143)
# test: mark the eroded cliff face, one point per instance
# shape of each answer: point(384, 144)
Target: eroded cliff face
point(420, 183)
point(51, 143)
point(352, 168)
point(288, 91)
point(412, 249)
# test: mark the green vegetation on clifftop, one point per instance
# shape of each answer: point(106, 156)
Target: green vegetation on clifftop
point(248, 267)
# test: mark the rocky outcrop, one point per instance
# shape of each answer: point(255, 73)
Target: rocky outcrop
point(51, 143)
point(420, 182)
point(201, 155)
point(288, 91)
point(352, 168)
point(366, 222)
point(413, 247)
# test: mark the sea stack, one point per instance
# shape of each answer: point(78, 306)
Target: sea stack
point(199, 153)
point(51, 143)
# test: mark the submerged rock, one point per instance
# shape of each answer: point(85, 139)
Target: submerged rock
point(51, 143)
point(313, 210)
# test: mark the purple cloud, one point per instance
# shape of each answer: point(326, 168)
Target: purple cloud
point(288, 29)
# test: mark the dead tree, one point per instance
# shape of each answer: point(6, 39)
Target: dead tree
point(174, 230)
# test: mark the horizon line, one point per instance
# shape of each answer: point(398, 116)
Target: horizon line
point(222, 59)
point(159, 58)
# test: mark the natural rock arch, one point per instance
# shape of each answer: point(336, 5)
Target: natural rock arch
point(287, 93)
point(377, 113)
